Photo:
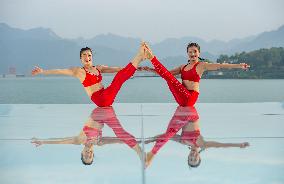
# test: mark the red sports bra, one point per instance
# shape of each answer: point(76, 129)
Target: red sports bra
point(92, 133)
point(91, 79)
point(191, 74)
point(191, 136)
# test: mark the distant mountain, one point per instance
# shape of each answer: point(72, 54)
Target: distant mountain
point(263, 40)
point(8, 33)
point(41, 46)
point(177, 47)
point(23, 49)
point(116, 42)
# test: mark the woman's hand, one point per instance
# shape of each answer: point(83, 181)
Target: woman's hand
point(140, 68)
point(149, 141)
point(36, 142)
point(37, 70)
point(148, 69)
point(243, 145)
point(244, 66)
point(148, 53)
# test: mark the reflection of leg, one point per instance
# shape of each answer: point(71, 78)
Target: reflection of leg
point(174, 126)
point(108, 116)
point(124, 136)
point(107, 96)
point(177, 122)
point(182, 96)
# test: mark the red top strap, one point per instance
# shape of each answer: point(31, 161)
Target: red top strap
point(191, 74)
point(91, 78)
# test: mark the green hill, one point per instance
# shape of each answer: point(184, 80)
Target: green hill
point(265, 64)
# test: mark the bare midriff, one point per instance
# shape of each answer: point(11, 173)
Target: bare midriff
point(93, 88)
point(190, 85)
point(191, 126)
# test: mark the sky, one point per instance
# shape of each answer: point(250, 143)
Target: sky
point(151, 20)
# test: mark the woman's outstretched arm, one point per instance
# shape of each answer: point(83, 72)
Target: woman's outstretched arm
point(110, 140)
point(109, 69)
point(70, 72)
point(217, 66)
point(66, 140)
point(174, 71)
point(214, 144)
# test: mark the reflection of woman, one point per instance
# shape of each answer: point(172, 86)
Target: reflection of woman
point(187, 92)
point(91, 78)
point(92, 135)
point(187, 119)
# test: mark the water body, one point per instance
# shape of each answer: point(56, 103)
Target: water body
point(67, 90)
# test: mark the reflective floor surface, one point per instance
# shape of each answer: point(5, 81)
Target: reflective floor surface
point(142, 143)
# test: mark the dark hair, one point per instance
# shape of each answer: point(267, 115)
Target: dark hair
point(196, 165)
point(192, 44)
point(83, 161)
point(84, 49)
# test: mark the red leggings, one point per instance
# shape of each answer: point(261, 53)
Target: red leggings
point(105, 97)
point(182, 116)
point(107, 115)
point(183, 96)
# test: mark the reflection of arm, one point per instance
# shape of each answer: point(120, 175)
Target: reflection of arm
point(65, 140)
point(110, 140)
point(152, 139)
point(214, 144)
point(177, 138)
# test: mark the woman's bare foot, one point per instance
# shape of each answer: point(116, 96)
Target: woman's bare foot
point(141, 51)
point(149, 158)
point(139, 152)
point(140, 56)
point(148, 52)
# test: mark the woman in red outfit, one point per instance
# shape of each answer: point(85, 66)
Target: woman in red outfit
point(187, 119)
point(90, 76)
point(187, 92)
point(91, 135)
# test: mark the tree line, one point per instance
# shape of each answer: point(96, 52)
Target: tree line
point(264, 64)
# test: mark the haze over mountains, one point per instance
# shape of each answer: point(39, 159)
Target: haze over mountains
point(23, 49)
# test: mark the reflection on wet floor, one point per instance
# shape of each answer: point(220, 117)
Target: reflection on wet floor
point(187, 119)
point(91, 135)
point(142, 143)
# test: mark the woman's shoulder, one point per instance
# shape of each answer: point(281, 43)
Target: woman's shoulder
point(183, 66)
point(200, 142)
point(101, 67)
point(79, 140)
point(202, 63)
point(76, 70)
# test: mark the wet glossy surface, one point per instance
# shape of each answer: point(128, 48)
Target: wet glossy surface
point(260, 124)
